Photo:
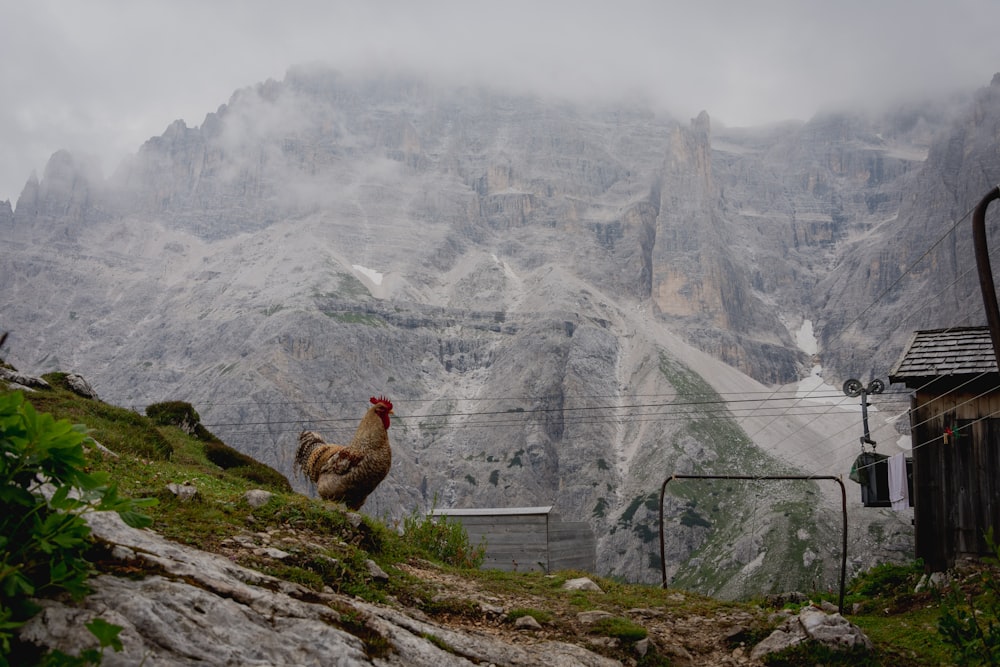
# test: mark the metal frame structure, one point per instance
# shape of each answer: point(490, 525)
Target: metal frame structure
point(843, 500)
point(985, 271)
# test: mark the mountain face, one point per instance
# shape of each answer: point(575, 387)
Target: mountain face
point(558, 299)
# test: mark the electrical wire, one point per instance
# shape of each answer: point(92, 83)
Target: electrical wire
point(797, 407)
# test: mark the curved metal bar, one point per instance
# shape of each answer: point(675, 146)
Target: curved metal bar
point(843, 504)
point(985, 272)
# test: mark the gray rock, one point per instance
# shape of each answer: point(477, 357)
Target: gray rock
point(184, 492)
point(527, 623)
point(80, 386)
point(20, 379)
point(491, 609)
point(257, 497)
point(812, 624)
point(593, 616)
point(375, 571)
point(932, 581)
point(581, 584)
point(272, 552)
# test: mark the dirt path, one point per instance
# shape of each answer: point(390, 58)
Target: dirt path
point(682, 636)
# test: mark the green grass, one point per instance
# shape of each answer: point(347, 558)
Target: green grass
point(366, 319)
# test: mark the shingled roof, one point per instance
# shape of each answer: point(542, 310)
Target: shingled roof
point(941, 352)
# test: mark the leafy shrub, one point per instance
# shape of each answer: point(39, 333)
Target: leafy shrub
point(887, 586)
point(43, 540)
point(886, 579)
point(173, 413)
point(970, 618)
point(182, 415)
point(443, 540)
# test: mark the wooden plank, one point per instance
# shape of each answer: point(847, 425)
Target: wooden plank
point(572, 546)
point(927, 489)
point(500, 520)
point(525, 541)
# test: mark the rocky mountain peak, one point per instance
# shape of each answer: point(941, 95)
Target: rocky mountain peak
point(546, 287)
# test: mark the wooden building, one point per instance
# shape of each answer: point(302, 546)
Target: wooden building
point(528, 538)
point(955, 427)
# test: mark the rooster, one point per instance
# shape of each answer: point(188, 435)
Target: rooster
point(348, 474)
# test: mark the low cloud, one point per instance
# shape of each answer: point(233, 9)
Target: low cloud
point(99, 78)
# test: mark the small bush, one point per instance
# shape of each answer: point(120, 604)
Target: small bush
point(443, 540)
point(886, 580)
point(173, 413)
point(183, 416)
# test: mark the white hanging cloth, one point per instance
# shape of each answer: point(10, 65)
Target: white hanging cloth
point(899, 494)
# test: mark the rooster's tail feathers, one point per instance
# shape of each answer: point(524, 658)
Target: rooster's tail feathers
point(308, 441)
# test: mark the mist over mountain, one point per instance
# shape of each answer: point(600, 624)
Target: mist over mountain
point(558, 298)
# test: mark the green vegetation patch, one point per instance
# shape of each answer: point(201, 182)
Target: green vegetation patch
point(119, 429)
point(366, 319)
point(444, 539)
point(618, 628)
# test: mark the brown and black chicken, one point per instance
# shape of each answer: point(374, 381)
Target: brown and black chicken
point(348, 474)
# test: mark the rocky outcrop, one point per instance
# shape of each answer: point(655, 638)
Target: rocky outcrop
point(813, 625)
point(16, 380)
point(201, 608)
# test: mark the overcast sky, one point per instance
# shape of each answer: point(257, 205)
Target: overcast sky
point(100, 77)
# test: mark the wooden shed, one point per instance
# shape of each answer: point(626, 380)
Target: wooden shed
point(528, 538)
point(955, 427)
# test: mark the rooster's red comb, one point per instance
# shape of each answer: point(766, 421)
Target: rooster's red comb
point(382, 399)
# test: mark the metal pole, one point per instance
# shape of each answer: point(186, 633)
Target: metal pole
point(843, 502)
point(867, 437)
point(985, 272)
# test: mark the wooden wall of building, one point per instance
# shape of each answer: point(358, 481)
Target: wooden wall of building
point(956, 476)
point(533, 540)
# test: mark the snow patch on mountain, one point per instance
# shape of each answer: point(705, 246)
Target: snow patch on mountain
point(805, 338)
point(370, 274)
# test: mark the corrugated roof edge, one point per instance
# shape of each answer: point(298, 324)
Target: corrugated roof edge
point(493, 511)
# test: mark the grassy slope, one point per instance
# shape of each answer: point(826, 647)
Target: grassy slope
point(329, 552)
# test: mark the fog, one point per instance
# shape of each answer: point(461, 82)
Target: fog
point(99, 78)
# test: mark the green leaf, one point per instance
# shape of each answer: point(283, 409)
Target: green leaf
point(106, 633)
point(17, 584)
point(135, 519)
